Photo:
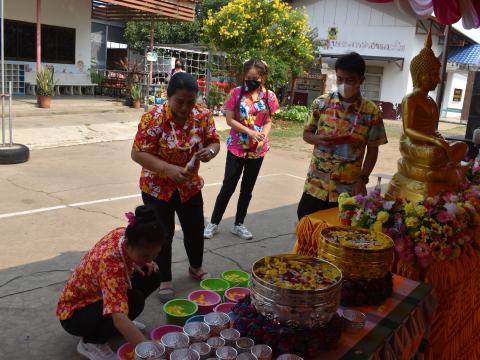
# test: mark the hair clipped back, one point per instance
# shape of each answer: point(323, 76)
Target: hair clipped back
point(182, 81)
point(147, 228)
point(260, 65)
point(145, 214)
point(352, 63)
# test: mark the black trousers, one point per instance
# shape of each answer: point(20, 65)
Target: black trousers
point(309, 204)
point(191, 219)
point(234, 167)
point(93, 327)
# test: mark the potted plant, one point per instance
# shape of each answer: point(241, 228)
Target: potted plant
point(136, 95)
point(45, 88)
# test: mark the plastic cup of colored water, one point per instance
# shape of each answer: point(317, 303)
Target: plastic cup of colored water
point(226, 353)
point(197, 331)
point(215, 342)
point(184, 354)
point(215, 284)
point(236, 293)
point(174, 341)
point(246, 356)
point(230, 336)
point(202, 348)
point(195, 319)
point(289, 357)
point(177, 311)
point(157, 333)
point(262, 352)
point(217, 322)
point(149, 349)
point(206, 300)
point(224, 307)
point(244, 344)
point(126, 352)
point(236, 278)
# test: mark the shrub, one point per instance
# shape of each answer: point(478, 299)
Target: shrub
point(96, 76)
point(216, 96)
point(296, 113)
point(136, 92)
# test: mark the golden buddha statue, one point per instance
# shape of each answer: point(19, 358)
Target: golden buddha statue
point(429, 164)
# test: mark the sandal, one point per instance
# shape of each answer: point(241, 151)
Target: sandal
point(199, 277)
point(166, 294)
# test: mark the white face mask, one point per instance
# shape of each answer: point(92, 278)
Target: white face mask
point(346, 91)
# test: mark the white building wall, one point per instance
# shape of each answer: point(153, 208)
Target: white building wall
point(68, 13)
point(394, 83)
point(455, 80)
point(361, 27)
point(371, 30)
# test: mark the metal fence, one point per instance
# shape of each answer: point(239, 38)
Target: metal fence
point(214, 73)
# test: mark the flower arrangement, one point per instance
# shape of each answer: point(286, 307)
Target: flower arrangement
point(435, 229)
point(370, 212)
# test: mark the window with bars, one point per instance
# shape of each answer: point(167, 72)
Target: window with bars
point(373, 82)
point(58, 43)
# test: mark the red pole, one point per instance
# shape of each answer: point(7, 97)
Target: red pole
point(39, 37)
point(150, 75)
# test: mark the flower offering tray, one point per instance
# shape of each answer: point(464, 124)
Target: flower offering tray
point(299, 291)
point(365, 258)
point(359, 253)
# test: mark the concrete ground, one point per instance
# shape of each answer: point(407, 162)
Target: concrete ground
point(38, 248)
point(65, 198)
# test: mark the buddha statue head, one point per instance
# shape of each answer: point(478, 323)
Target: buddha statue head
point(425, 67)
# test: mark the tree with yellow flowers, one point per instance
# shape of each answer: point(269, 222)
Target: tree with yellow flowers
point(270, 30)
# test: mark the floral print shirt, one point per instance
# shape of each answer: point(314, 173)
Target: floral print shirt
point(158, 135)
point(254, 115)
point(101, 275)
point(335, 169)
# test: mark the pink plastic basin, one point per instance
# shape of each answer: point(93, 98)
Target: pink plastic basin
point(124, 350)
point(210, 298)
point(157, 333)
point(225, 307)
point(236, 293)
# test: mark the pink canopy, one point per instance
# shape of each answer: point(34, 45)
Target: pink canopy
point(446, 11)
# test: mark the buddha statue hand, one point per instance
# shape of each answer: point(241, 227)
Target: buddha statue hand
point(440, 142)
point(457, 152)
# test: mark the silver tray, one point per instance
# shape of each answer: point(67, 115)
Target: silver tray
point(294, 307)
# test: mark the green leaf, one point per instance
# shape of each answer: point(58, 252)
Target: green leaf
point(45, 82)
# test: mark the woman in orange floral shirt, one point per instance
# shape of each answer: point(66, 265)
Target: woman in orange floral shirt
point(171, 141)
point(108, 288)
